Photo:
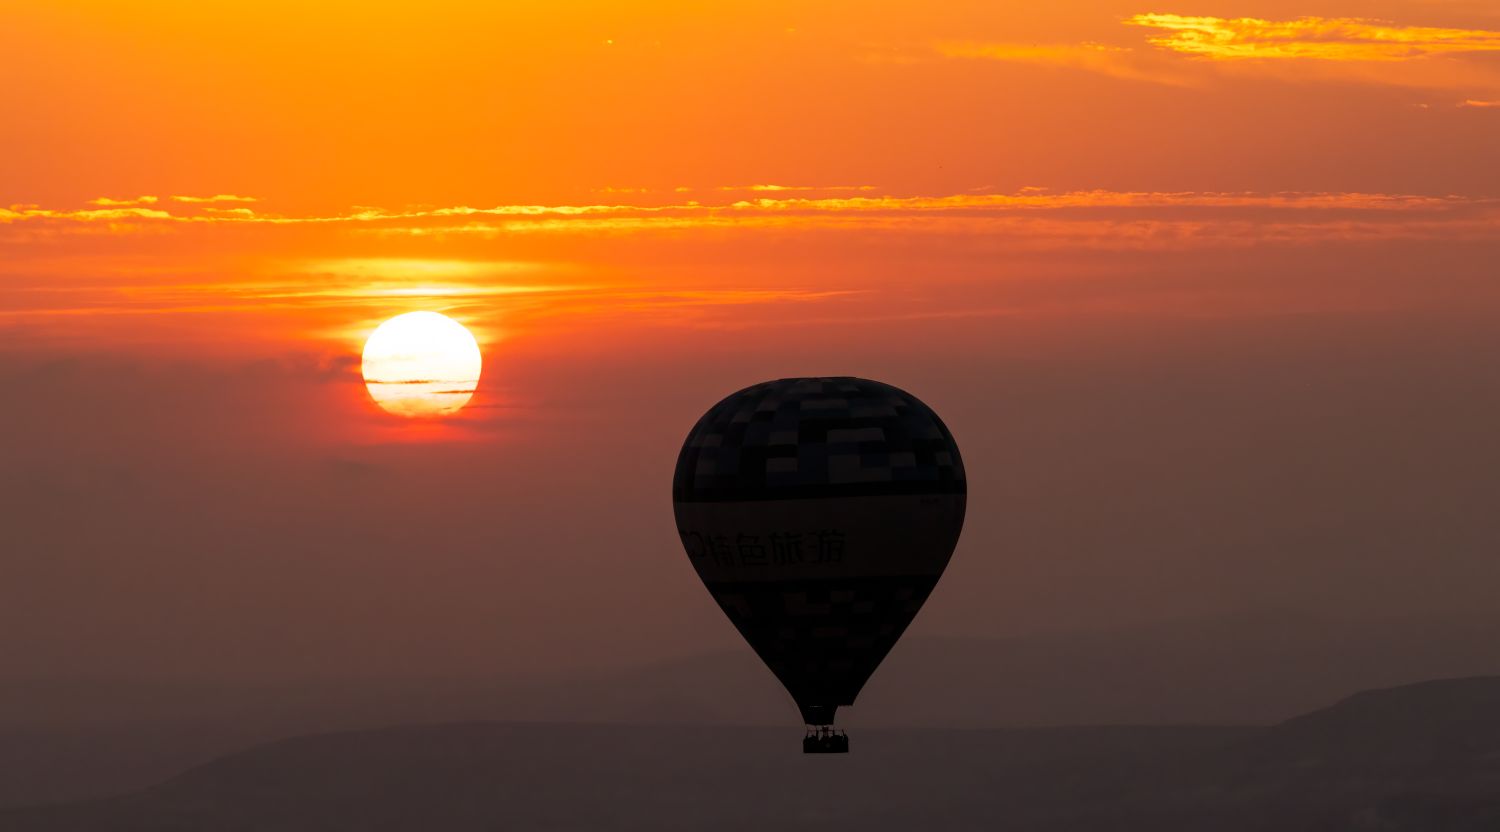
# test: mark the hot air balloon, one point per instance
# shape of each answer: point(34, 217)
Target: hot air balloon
point(820, 513)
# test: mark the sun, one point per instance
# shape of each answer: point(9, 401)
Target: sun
point(421, 364)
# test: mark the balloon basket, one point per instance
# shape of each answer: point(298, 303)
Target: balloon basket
point(825, 741)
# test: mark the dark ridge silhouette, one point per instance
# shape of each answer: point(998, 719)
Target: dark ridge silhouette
point(64, 742)
point(1412, 727)
point(1417, 758)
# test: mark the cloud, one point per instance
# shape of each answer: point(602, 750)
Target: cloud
point(1193, 51)
point(793, 188)
point(1480, 105)
point(214, 198)
point(683, 189)
point(129, 211)
point(106, 202)
point(1318, 38)
point(1027, 218)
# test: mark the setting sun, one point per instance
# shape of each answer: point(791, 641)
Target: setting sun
point(421, 364)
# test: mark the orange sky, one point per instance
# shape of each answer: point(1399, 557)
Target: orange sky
point(236, 153)
point(1281, 215)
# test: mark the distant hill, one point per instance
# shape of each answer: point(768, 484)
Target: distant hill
point(488, 776)
point(1422, 757)
point(61, 741)
point(1253, 669)
point(1452, 722)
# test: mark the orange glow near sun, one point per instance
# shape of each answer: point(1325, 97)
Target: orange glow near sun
point(421, 364)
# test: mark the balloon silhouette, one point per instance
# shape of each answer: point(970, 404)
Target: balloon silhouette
point(820, 513)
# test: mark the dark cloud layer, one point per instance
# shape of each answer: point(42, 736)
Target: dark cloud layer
point(257, 519)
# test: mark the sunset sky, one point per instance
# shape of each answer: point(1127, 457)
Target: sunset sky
point(1206, 292)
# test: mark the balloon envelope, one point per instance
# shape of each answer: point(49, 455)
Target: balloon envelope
point(820, 513)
